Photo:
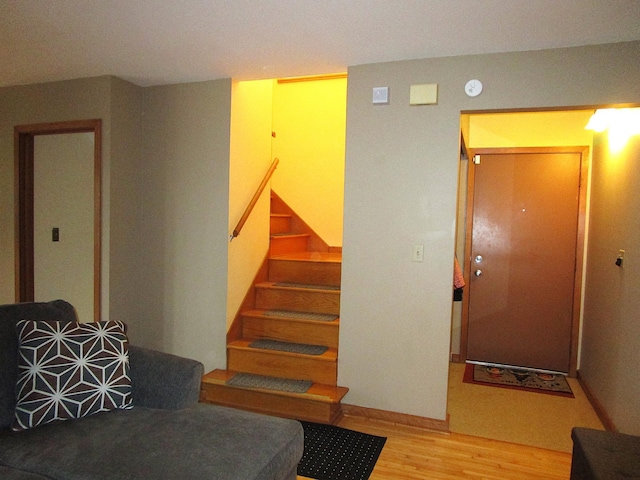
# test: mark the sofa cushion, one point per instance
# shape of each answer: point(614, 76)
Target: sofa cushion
point(204, 441)
point(70, 370)
point(602, 455)
point(10, 315)
point(7, 473)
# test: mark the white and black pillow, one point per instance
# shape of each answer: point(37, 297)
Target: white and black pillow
point(70, 370)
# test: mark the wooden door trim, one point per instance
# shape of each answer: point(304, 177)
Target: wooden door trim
point(23, 166)
point(580, 240)
point(585, 165)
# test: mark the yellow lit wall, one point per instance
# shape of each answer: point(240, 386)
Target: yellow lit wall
point(530, 129)
point(309, 119)
point(250, 157)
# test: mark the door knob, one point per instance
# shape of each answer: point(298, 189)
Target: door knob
point(477, 273)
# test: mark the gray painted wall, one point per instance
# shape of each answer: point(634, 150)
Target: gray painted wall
point(401, 188)
point(184, 206)
point(165, 177)
point(611, 332)
point(64, 199)
point(45, 103)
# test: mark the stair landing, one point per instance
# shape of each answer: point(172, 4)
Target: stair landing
point(321, 403)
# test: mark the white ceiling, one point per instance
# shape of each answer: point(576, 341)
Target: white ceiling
point(152, 42)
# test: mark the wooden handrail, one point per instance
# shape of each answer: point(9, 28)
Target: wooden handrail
point(254, 200)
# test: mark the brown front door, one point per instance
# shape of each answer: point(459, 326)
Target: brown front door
point(523, 259)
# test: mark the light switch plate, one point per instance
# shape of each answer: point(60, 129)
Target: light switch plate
point(418, 253)
point(380, 95)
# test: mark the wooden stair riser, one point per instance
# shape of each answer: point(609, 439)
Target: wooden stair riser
point(280, 223)
point(297, 300)
point(276, 364)
point(292, 330)
point(283, 244)
point(271, 403)
point(307, 272)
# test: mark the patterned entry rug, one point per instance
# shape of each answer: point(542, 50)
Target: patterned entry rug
point(335, 453)
point(553, 384)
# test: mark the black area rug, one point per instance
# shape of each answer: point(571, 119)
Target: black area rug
point(335, 453)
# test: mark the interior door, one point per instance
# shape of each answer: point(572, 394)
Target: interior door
point(57, 235)
point(63, 224)
point(523, 259)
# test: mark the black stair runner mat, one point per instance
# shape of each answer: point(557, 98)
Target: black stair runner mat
point(304, 285)
point(266, 344)
point(250, 380)
point(323, 317)
point(335, 453)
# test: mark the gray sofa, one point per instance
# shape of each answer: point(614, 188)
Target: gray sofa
point(601, 455)
point(166, 435)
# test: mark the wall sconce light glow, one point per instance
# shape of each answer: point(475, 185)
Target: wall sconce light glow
point(622, 124)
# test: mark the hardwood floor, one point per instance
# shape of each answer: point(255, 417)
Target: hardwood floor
point(414, 454)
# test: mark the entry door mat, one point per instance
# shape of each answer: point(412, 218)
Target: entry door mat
point(250, 380)
point(552, 384)
point(335, 453)
point(303, 348)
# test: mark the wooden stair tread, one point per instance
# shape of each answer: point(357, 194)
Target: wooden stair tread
point(319, 392)
point(301, 287)
point(289, 235)
point(328, 257)
point(261, 314)
point(243, 344)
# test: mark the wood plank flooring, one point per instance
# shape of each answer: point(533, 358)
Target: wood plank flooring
point(414, 454)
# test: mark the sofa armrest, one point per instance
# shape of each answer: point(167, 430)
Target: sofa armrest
point(162, 380)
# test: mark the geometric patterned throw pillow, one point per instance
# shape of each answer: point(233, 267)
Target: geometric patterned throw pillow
point(70, 370)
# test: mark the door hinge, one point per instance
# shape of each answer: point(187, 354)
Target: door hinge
point(476, 159)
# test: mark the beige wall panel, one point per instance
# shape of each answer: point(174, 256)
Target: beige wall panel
point(401, 190)
point(612, 301)
point(64, 199)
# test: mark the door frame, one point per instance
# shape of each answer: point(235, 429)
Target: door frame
point(580, 240)
point(24, 136)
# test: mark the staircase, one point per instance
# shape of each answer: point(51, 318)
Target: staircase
point(298, 304)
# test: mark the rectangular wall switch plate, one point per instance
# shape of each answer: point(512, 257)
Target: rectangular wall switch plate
point(380, 95)
point(425, 94)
